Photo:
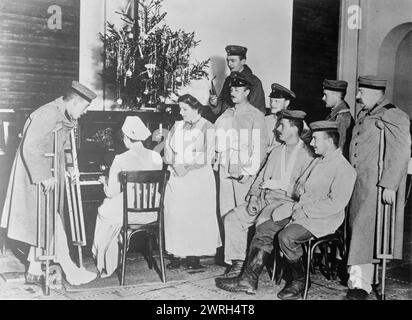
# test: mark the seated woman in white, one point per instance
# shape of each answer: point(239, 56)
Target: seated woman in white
point(191, 226)
point(107, 238)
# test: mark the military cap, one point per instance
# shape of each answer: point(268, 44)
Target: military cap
point(335, 85)
point(372, 82)
point(237, 79)
point(292, 114)
point(324, 126)
point(279, 91)
point(83, 91)
point(233, 50)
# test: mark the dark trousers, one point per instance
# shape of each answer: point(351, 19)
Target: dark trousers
point(290, 238)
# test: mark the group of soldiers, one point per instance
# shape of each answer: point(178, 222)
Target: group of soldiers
point(299, 191)
point(289, 180)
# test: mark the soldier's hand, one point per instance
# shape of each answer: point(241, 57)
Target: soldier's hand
point(388, 196)
point(213, 100)
point(48, 185)
point(73, 174)
point(253, 206)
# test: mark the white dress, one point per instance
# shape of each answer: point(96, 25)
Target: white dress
point(109, 221)
point(191, 226)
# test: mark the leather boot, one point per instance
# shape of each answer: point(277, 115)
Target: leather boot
point(248, 281)
point(175, 263)
point(294, 289)
point(234, 270)
point(193, 263)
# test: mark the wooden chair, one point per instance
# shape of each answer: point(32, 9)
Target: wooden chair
point(148, 188)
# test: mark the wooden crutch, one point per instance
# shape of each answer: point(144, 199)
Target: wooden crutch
point(385, 224)
point(75, 205)
point(48, 253)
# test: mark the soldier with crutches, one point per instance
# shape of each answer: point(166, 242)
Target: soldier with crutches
point(379, 151)
point(38, 172)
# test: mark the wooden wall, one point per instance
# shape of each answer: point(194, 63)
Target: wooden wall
point(315, 34)
point(36, 63)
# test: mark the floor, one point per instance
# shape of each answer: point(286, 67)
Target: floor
point(144, 284)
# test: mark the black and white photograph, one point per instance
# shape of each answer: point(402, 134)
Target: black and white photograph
point(227, 152)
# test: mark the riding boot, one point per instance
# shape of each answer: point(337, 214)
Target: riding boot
point(234, 270)
point(248, 280)
point(294, 289)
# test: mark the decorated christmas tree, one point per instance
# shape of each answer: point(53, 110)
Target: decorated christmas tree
point(145, 61)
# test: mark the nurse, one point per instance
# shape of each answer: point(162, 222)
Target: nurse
point(191, 227)
point(107, 238)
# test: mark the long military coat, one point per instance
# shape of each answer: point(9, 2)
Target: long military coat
point(364, 156)
point(341, 114)
point(31, 167)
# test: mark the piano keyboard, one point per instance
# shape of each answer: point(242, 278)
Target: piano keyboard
point(90, 178)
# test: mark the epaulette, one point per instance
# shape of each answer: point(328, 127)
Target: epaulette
point(343, 111)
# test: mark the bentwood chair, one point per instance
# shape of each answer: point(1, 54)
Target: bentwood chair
point(143, 195)
point(330, 245)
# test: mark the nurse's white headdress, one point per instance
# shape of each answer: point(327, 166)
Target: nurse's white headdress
point(134, 128)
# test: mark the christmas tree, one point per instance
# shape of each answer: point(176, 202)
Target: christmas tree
point(145, 61)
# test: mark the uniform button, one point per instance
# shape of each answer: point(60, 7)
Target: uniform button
point(356, 143)
point(355, 155)
point(354, 165)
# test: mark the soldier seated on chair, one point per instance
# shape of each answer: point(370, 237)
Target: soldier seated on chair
point(272, 188)
point(323, 192)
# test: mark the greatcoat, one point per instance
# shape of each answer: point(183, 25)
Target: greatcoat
point(31, 166)
point(364, 156)
point(341, 114)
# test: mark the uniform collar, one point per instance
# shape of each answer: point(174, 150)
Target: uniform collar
point(335, 110)
point(191, 124)
point(61, 106)
point(378, 106)
point(331, 156)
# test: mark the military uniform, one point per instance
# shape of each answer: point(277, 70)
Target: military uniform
point(31, 167)
point(324, 190)
point(272, 120)
point(239, 160)
point(364, 156)
point(256, 96)
point(284, 172)
point(341, 114)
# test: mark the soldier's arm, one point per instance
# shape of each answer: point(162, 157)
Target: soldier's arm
point(259, 146)
point(254, 189)
point(337, 199)
point(220, 106)
point(257, 96)
point(397, 148)
point(37, 141)
point(344, 121)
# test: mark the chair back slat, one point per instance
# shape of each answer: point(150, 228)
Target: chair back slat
point(146, 188)
point(155, 188)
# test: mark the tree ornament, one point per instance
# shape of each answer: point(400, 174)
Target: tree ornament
point(130, 35)
point(119, 101)
point(129, 73)
point(150, 68)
